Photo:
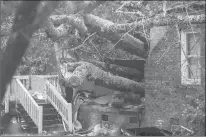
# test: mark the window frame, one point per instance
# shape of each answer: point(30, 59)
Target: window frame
point(185, 80)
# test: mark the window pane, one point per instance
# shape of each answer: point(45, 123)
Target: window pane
point(193, 68)
point(193, 43)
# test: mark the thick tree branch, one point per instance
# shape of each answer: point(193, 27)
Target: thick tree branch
point(55, 32)
point(159, 20)
point(102, 78)
point(92, 6)
point(76, 22)
point(107, 30)
point(162, 21)
point(125, 72)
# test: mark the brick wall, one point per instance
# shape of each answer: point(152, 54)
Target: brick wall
point(163, 69)
point(165, 95)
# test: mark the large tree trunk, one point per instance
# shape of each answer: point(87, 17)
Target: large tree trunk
point(102, 78)
point(125, 72)
point(105, 29)
point(22, 30)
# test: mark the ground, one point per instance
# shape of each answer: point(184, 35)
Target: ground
point(164, 104)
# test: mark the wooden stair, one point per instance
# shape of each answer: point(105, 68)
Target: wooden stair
point(52, 122)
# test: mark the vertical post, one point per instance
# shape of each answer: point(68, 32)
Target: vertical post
point(45, 91)
point(29, 82)
point(40, 120)
point(16, 90)
point(70, 123)
point(7, 99)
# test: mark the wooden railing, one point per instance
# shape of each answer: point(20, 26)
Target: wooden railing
point(23, 96)
point(18, 87)
point(60, 104)
point(53, 80)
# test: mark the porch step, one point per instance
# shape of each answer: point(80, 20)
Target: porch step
point(52, 122)
point(40, 101)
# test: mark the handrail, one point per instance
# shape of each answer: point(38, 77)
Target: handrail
point(53, 80)
point(27, 76)
point(59, 103)
point(26, 81)
point(24, 97)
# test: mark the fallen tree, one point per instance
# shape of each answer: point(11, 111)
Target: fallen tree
point(85, 70)
point(105, 29)
point(118, 70)
point(57, 28)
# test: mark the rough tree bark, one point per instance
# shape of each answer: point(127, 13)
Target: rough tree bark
point(125, 72)
point(102, 78)
point(112, 30)
point(105, 29)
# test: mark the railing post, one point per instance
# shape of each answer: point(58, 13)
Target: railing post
point(29, 82)
point(45, 91)
point(6, 100)
point(16, 90)
point(70, 124)
point(40, 120)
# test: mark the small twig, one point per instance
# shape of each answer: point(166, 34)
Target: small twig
point(80, 46)
point(125, 2)
point(165, 52)
point(187, 129)
point(164, 8)
point(194, 38)
point(137, 13)
point(97, 51)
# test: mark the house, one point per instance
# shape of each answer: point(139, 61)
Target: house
point(177, 52)
point(177, 64)
point(175, 68)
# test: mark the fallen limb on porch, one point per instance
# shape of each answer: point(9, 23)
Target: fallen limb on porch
point(92, 73)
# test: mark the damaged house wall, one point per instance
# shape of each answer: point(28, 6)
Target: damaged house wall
point(109, 107)
point(163, 69)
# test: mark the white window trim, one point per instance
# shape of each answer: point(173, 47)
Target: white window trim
point(185, 80)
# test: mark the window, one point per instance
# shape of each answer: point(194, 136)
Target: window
point(133, 120)
point(104, 117)
point(191, 42)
